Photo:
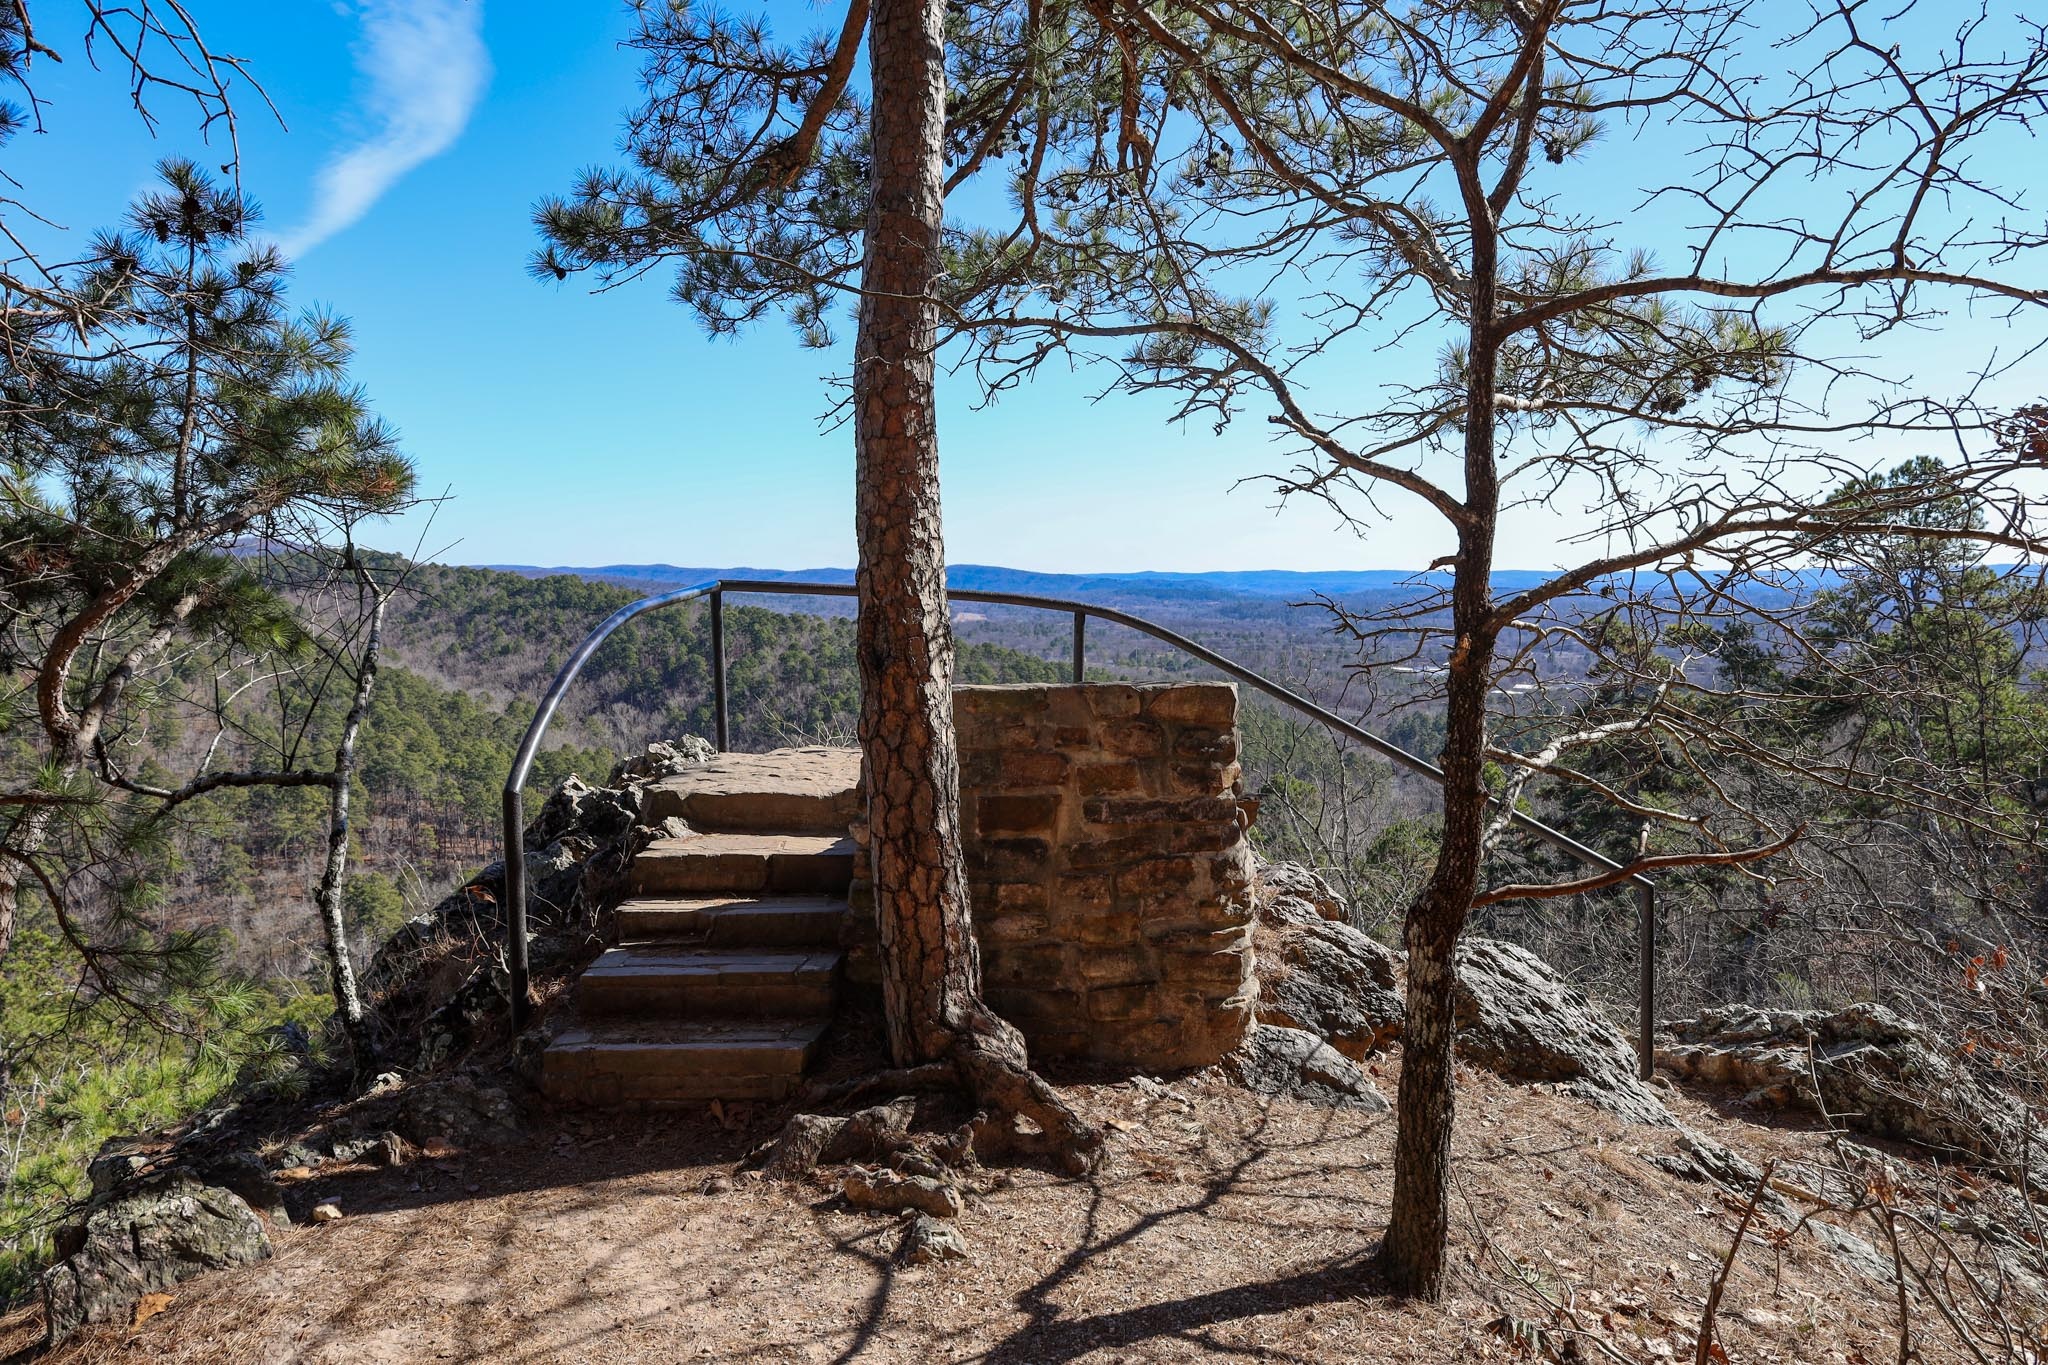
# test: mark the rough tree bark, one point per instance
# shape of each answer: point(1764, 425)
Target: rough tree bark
point(1413, 1255)
point(931, 965)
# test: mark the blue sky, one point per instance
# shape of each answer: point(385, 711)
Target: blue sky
point(572, 429)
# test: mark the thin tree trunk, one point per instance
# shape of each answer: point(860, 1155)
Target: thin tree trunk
point(931, 965)
point(348, 1000)
point(23, 841)
point(1413, 1256)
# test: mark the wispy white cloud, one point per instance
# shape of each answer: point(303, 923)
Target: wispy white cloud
point(424, 67)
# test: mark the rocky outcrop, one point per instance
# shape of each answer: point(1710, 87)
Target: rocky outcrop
point(142, 1237)
point(1288, 1061)
point(1516, 1016)
point(1865, 1068)
point(439, 980)
point(1324, 977)
point(460, 1111)
point(1287, 891)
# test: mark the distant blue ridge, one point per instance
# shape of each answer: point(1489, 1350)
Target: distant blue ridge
point(1288, 584)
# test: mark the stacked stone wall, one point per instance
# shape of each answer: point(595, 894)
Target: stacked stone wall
point(1109, 868)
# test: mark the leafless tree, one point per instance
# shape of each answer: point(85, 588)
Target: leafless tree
point(1269, 196)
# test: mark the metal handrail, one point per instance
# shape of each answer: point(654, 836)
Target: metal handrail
point(716, 590)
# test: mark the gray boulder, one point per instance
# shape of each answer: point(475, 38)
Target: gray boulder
point(1866, 1068)
point(1325, 977)
point(1286, 889)
point(576, 807)
point(142, 1239)
point(1286, 1061)
point(1517, 1017)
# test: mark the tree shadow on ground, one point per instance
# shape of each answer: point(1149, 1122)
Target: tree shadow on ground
point(566, 1243)
point(1258, 1179)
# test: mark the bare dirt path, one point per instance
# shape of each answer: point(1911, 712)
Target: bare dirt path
point(1222, 1227)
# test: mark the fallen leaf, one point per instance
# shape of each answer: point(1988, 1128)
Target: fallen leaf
point(148, 1306)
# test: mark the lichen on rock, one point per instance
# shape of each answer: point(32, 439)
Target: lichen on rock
point(142, 1238)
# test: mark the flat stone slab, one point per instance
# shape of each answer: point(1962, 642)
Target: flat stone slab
point(810, 790)
point(655, 1062)
point(744, 863)
point(665, 980)
point(756, 966)
point(778, 921)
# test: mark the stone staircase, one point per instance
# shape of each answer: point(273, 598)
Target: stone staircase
point(727, 968)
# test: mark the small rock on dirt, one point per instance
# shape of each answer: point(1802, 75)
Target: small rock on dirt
point(326, 1213)
point(929, 1239)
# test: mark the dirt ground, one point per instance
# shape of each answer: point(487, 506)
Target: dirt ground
point(1221, 1226)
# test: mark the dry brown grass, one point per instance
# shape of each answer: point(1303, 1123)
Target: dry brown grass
point(1221, 1227)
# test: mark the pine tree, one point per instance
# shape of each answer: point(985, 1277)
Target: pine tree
point(760, 176)
point(170, 418)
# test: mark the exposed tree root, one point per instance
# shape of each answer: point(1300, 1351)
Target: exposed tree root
point(1020, 1115)
point(989, 1057)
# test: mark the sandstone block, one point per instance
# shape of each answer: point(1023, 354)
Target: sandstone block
point(1000, 699)
point(1087, 892)
point(1011, 928)
point(1035, 768)
point(1136, 738)
point(1042, 966)
point(1015, 813)
point(1009, 859)
point(1095, 779)
point(1205, 745)
point(1117, 1003)
point(1208, 704)
point(1038, 1012)
point(1108, 967)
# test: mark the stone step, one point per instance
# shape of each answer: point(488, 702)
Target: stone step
point(666, 980)
point(744, 863)
point(734, 922)
point(811, 791)
point(618, 1062)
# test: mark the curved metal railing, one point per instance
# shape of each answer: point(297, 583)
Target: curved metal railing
point(716, 590)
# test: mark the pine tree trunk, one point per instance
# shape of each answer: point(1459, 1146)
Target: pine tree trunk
point(931, 966)
point(1413, 1256)
point(905, 636)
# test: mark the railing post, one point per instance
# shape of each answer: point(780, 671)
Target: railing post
point(718, 665)
point(1080, 646)
point(1646, 984)
point(515, 908)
